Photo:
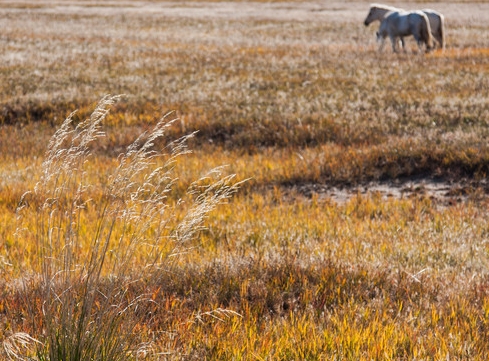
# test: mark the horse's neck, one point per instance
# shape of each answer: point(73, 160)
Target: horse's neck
point(383, 10)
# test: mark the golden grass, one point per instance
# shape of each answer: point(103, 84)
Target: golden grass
point(282, 272)
point(456, 53)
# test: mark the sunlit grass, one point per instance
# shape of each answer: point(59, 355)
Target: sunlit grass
point(284, 270)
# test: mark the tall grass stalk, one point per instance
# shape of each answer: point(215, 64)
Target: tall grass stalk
point(87, 266)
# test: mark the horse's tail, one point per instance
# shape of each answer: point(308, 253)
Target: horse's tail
point(426, 32)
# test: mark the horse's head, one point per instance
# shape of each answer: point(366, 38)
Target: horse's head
point(370, 17)
point(377, 12)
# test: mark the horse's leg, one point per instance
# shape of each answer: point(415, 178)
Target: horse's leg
point(420, 46)
point(403, 44)
point(393, 41)
point(439, 38)
point(382, 43)
point(418, 42)
point(381, 39)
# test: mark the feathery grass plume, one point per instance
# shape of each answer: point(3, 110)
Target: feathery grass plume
point(209, 193)
point(87, 266)
point(16, 344)
point(218, 314)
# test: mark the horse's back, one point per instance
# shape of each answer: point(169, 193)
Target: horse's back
point(435, 18)
point(433, 13)
point(416, 16)
point(398, 22)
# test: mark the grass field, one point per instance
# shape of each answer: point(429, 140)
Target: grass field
point(329, 202)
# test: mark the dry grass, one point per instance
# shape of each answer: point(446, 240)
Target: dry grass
point(296, 97)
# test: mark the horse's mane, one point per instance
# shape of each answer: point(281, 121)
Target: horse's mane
point(383, 6)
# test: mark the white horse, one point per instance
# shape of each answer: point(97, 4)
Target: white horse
point(437, 20)
point(398, 24)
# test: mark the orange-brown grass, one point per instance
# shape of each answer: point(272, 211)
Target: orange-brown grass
point(457, 53)
point(297, 104)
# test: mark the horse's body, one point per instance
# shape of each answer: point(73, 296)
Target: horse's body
point(437, 20)
point(398, 24)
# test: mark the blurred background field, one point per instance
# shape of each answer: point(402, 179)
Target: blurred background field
point(361, 231)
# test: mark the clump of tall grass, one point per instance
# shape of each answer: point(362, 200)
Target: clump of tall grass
point(87, 265)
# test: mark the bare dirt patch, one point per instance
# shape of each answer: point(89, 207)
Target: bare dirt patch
point(441, 192)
